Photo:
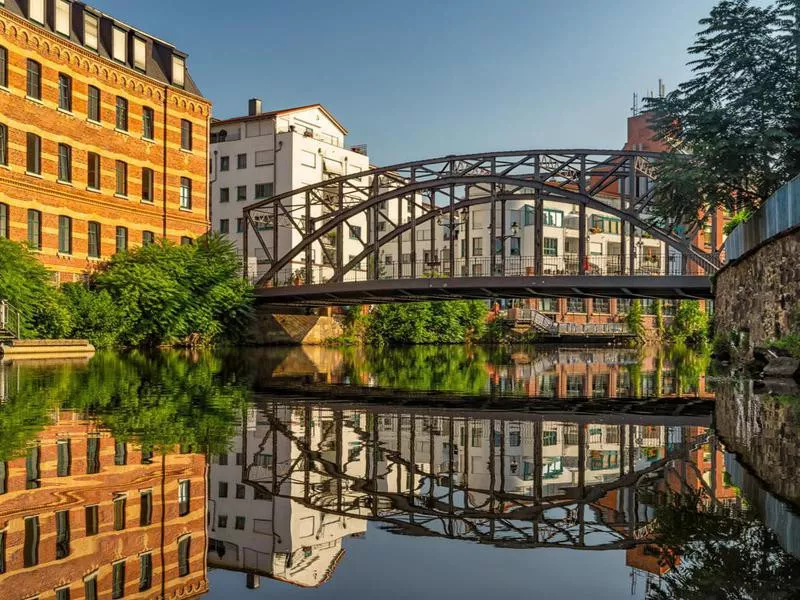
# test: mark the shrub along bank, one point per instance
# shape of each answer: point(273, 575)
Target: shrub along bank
point(160, 294)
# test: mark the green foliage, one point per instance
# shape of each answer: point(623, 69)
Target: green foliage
point(659, 308)
point(690, 325)
point(743, 216)
point(738, 116)
point(96, 316)
point(635, 319)
point(790, 343)
point(427, 322)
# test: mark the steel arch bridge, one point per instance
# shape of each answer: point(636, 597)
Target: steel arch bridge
point(398, 202)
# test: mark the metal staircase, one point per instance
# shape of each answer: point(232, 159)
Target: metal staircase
point(538, 321)
point(9, 322)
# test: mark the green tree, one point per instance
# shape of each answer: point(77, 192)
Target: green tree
point(690, 324)
point(427, 322)
point(635, 318)
point(738, 116)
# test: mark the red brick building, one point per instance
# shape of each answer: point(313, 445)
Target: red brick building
point(103, 136)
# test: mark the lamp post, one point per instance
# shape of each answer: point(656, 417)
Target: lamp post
point(502, 239)
point(453, 226)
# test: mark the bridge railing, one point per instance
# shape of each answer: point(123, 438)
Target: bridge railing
point(512, 266)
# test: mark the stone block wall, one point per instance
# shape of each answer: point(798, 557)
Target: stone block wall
point(760, 292)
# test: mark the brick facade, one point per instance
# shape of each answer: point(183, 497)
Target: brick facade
point(21, 191)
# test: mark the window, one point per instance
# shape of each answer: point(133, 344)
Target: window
point(5, 220)
point(145, 508)
point(308, 159)
point(186, 134)
point(64, 92)
point(222, 489)
point(553, 218)
point(549, 438)
point(32, 468)
point(224, 226)
point(241, 161)
point(224, 163)
point(222, 521)
point(224, 195)
point(93, 104)
point(2, 551)
point(120, 454)
point(3, 67)
point(93, 455)
point(477, 246)
point(3, 477)
point(90, 588)
point(34, 157)
point(119, 41)
point(550, 246)
point(147, 184)
point(62, 534)
point(93, 180)
point(184, 497)
point(355, 232)
point(222, 459)
point(186, 241)
point(65, 234)
point(148, 237)
point(122, 114)
point(148, 123)
point(36, 10)
point(122, 239)
point(186, 193)
point(119, 513)
point(92, 520)
point(601, 305)
point(576, 305)
point(263, 190)
point(240, 521)
point(241, 193)
point(3, 145)
point(575, 386)
point(90, 30)
point(183, 555)
point(145, 571)
point(240, 225)
point(31, 548)
point(240, 491)
point(34, 229)
point(64, 458)
point(515, 246)
point(122, 178)
point(34, 89)
point(139, 53)
point(263, 158)
point(118, 579)
point(178, 70)
point(64, 163)
point(62, 17)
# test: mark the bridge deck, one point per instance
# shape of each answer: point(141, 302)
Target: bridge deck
point(459, 288)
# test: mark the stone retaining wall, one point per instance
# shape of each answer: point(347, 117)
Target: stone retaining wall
point(759, 292)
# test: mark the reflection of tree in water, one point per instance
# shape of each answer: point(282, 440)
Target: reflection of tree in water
point(718, 555)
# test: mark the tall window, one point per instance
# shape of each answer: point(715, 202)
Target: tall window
point(90, 30)
point(122, 178)
point(62, 534)
point(147, 184)
point(550, 247)
point(186, 193)
point(145, 572)
point(90, 588)
point(93, 455)
point(3, 66)
point(32, 473)
point(224, 226)
point(64, 92)
point(64, 163)
point(34, 157)
point(119, 513)
point(3, 144)
point(64, 461)
point(119, 40)
point(31, 548)
point(122, 114)
point(34, 89)
point(224, 195)
point(92, 518)
point(148, 237)
point(36, 10)
point(120, 454)
point(94, 240)
point(178, 70)
point(224, 163)
point(145, 508)
point(184, 496)
point(241, 161)
point(183, 555)
point(62, 17)
point(93, 180)
point(241, 193)
point(118, 579)
point(122, 239)
point(186, 134)
point(93, 109)
point(62, 593)
point(34, 229)
point(148, 123)
point(139, 54)
point(5, 220)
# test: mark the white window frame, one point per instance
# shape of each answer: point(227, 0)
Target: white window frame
point(308, 159)
point(139, 53)
point(63, 14)
point(87, 41)
point(36, 11)
point(120, 45)
point(178, 71)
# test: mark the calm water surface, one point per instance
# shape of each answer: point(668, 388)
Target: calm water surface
point(424, 472)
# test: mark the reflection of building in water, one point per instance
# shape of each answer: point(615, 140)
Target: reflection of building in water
point(256, 523)
point(83, 515)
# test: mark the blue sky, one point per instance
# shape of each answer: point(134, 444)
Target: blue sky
point(428, 78)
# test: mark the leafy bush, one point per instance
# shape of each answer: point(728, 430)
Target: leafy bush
point(427, 322)
point(635, 318)
point(743, 216)
point(96, 316)
point(691, 324)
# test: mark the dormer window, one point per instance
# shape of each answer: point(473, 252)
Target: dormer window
point(178, 71)
point(90, 27)
point(139, 54)
point(120, 41)
point(36, 10)
point(62, 16)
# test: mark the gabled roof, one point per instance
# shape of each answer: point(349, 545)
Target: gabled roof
point(284, 111)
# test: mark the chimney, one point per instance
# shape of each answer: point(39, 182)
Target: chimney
point(254, 107)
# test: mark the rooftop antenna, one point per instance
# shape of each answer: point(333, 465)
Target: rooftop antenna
point(635, 107)
point(661, 90)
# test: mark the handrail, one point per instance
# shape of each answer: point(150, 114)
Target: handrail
point(9, 320)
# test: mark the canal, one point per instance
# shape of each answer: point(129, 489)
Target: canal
point(415, 472)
